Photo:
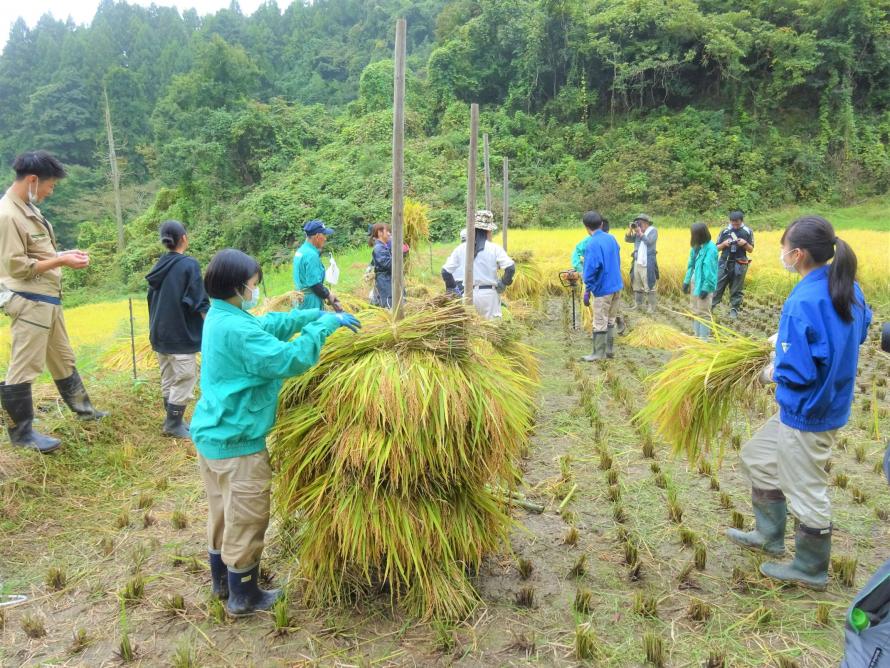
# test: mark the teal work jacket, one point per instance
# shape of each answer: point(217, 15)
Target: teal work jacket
point(244, 362)
point(308, 270)
point(702, 267)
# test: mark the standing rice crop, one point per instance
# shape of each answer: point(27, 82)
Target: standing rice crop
point(389, 453)
point(690, 398)
point(528, 282)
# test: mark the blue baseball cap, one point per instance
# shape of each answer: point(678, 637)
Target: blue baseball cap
point(317, 227)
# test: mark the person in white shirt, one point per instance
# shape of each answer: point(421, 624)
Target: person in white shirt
point(489, 258)
point(644, 267)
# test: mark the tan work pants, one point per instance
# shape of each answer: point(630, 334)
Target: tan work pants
point(640, 279)
point(778, 457)
point(39, 339)
point(238, 507)
point(179, 373)
point(605, 311)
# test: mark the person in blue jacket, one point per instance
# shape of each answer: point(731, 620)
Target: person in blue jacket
point(245, 360)
point(380, 240)
point(309, 270)
point(701, 278)
point(824, 321)
point(602, 281)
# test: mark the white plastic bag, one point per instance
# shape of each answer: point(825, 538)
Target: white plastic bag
point(332, 273)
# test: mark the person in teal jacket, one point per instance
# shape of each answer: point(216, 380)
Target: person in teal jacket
point(245, 360)
point(701, 278)
point(578, 255)
point(309, 269)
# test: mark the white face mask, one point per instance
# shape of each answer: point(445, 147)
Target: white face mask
point(788, 267)
point(32, 195)
point(247, 304)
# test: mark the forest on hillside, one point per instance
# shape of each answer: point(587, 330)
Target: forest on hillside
point(246, 126)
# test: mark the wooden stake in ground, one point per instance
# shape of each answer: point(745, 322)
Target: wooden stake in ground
point(506, 200)
point(115, 176)
point(132, 337)
point(471, 203)
point(398, 169)
point(487, 171)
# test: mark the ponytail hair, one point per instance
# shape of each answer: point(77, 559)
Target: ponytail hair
point(172, 232)
point(374, 230)
point(815, 235)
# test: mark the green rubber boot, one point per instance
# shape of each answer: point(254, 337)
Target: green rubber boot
point(599, 348)
point(610, 342)
point(770, 515)
point(812, 554)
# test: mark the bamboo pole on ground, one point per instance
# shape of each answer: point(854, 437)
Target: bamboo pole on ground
point(487, 171)
point(398, 170)
point(471, 203)
point(506, 200)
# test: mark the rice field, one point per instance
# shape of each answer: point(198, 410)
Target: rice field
point(625, 566)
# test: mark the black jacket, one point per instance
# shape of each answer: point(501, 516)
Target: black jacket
point(176, 300)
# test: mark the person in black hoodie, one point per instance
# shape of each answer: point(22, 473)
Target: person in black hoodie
point(177, 305)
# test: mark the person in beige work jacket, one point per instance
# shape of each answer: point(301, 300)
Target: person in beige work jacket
point(31, 295)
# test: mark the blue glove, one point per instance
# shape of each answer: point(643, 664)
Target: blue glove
point(587, 298)
point(349, 321)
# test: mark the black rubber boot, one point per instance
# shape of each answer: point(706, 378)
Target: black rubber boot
point(77, 399)
point(812, 554)
point(219, 575)
point(245, 595)
point(19, 409)
point(770, 516)
point(173, 425)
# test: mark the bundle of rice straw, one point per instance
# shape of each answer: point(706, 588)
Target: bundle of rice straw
point(528, 282)
point(280, 303)
point(388, 452)
point(648, 333)
point(120, 357)
point(691, 397)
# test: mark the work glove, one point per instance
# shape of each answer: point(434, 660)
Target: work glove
point(405, 249)
point(500, 287)
point(335, 304)
point(766, 376)
point(349, 321)
point(686, 288)
point(587, 298)
point(704, 295)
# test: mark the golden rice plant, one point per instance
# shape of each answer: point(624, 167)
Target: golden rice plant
point(691, 397)
point(280, 303)
point(528, 282)
point(120, 356)
point(392, 449)
point(648, 333)
point(417, 222)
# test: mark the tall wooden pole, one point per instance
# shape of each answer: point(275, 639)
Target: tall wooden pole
point(506, 199)
point(115, 175)
point(398, 171)
point(487, 171)
point(471, 203)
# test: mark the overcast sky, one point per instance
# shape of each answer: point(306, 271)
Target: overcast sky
point(82, 11)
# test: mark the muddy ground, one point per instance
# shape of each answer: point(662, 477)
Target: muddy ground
point(120, 503)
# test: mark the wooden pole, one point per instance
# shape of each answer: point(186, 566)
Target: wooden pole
point(471, 203)
point(487, 171)
point(132, 338)
point(398, 171)
point(115, 175)
point(506, 200)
